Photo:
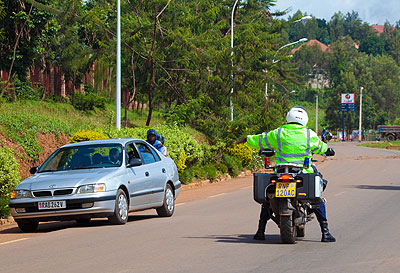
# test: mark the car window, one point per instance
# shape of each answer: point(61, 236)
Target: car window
point(84, 157)
point(146, 153)
point(131, 152)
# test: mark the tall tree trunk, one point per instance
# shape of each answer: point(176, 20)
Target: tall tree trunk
point(151, 60)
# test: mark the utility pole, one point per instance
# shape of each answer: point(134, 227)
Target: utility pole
point(360, 123)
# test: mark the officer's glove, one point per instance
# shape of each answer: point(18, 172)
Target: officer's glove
point(330, 152)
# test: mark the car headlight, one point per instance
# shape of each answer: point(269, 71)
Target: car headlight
point(91, 188)
point(17, 194)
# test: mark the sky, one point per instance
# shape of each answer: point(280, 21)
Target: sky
point(370, 11)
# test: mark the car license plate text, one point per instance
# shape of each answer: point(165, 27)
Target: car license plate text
point(52, 205)
point(285, 189)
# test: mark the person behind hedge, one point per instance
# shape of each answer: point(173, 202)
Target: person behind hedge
point(293, 142)
point(152, 139)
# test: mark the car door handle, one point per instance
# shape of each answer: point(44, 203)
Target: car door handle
point(163, 170)
point(147, 173)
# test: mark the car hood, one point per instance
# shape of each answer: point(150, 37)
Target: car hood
point(67, 179)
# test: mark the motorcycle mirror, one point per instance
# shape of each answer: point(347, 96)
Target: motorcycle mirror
point(266, 153)
point(328, 136)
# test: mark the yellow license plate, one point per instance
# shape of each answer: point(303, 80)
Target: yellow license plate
point(285, 189)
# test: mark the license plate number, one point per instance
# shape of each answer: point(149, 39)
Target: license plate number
point(285, 189)
point(52, 205)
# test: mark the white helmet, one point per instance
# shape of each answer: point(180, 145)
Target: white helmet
point(297, 115)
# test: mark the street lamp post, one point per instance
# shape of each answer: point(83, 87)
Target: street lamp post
point(303, 18)
point(308, 17)
point(299, 41)
point(359, 127)
point(118, 84)
point(230, 99)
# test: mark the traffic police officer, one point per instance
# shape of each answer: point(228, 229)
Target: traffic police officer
point(293, 142)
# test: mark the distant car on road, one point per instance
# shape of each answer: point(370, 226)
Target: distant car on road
point(99, 178)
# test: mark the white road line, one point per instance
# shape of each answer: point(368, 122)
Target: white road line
point(13, 241)
point(246, 188)
point(180, 204)
point(216, 195)
point(340, 193)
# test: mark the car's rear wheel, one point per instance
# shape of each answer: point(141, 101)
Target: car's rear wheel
point(168, 206)
point(120, 216)
point(28, 226)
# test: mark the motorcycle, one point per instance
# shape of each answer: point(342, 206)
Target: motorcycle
point(291, 195)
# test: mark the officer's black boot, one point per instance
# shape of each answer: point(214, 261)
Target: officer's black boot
point(260, 232)
point(326, 236)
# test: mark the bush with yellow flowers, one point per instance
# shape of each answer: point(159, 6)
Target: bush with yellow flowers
point(86, 135)
point(241, 151)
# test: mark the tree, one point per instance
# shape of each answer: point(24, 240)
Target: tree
point(21, 30)
point(374, 45)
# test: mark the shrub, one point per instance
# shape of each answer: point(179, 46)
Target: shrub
point(211, 171)
point(89, 101)
point(187, 176)
point(241, 151)
point(233, 164)
point(86, 135)
point(257, 162)
point(9, 179)
point(222, 168)
point(23, 90)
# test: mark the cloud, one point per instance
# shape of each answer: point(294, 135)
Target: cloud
point(370, 11)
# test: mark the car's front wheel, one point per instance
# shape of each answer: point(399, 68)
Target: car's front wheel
point(120, 216)
point(168, 206)
point(30, 226)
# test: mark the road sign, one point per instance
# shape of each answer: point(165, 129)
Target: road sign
point(348, 98)
point(347, 107)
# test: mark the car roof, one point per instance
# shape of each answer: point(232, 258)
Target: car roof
point(121, 141)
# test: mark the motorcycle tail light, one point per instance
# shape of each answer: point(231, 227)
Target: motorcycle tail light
point(285, 177)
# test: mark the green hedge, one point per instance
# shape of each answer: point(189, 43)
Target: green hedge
point(9, 179)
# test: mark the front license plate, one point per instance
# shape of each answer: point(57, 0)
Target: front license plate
point(53, 205)
point(285, 189)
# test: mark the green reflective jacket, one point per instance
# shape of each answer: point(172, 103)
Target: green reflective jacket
point(292, 144)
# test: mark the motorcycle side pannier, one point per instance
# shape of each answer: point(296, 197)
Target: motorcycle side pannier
point(261, 181)
point(312, 187)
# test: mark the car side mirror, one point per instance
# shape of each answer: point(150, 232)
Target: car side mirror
point(34, 170)
point(266, 153)
point(134, 162)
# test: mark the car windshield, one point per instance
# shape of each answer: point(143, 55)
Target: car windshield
point(84, 157)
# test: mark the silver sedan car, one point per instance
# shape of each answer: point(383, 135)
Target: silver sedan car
point(99, 178)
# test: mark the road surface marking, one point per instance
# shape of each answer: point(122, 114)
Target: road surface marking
point(212, 196)
point(13, 241)
point(180, 204)
point(246, 188)
point(340, 193)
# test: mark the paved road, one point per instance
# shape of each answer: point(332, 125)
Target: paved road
point(214, 233)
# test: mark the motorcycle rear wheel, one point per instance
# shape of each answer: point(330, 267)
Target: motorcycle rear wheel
point(287, 229)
